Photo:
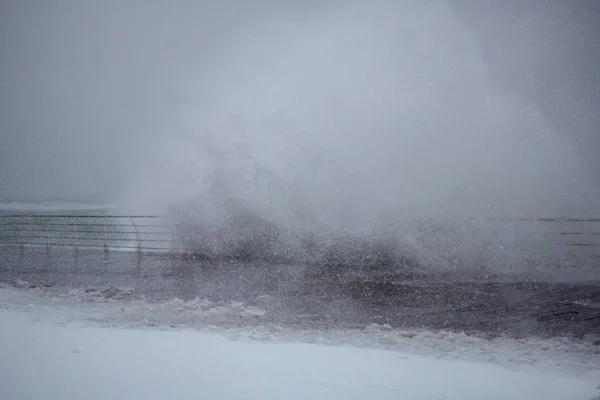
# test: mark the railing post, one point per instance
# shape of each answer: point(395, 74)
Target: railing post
point(76, 247)
point(21, 244)
point(138, 263)
point(172, 237)
point(105, 253)
point(20, 236)
point(137, 235)
point(47, 242)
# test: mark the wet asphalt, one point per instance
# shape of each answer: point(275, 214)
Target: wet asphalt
point(332, 296)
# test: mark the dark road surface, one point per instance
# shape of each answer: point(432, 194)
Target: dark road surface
point(499, 305)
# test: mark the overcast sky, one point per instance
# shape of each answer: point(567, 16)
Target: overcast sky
point(84, 83)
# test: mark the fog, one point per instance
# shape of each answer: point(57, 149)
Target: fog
point(293, 128)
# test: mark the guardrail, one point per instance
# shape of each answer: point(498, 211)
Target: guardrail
point(137, 233)
point(578, 236)
point(571, 238)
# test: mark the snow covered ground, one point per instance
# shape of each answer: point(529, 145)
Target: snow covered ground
point(98, 345)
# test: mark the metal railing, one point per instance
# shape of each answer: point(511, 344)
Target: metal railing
point(578, 238)
point(139, 233)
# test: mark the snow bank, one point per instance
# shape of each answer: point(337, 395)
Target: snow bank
point(47, 360)
point(76, 346)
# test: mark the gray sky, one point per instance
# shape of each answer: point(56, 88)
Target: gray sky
point(84, 84)
point(562, 74)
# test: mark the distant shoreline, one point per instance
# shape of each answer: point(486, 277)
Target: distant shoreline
point(52, 206)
